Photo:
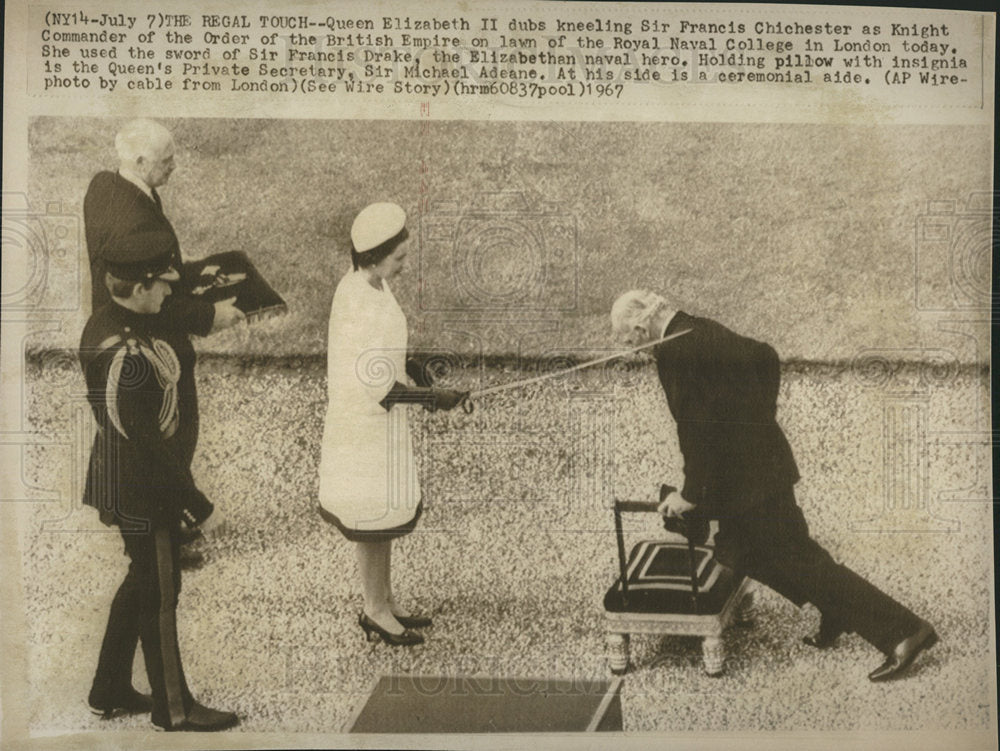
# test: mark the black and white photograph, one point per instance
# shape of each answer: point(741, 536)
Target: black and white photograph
point(464, 376)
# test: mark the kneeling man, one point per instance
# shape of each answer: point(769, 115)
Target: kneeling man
point(722, 390)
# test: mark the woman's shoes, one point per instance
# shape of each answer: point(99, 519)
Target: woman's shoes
point(406, 639)
point(414, 621)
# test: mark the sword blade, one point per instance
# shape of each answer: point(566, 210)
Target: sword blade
point(581, 366)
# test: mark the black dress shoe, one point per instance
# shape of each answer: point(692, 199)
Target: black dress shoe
point(202, 719)
point(827, 635)
point(905, 653)
point(406, 639)
point(127, 702)
point(414, 621)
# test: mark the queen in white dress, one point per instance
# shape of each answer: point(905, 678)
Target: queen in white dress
point(368, 484)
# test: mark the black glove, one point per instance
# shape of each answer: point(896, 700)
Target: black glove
point(400, 393)
point(419, 373)
point(447, 399)
point(431, 398)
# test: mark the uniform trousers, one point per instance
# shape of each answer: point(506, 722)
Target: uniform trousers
point(769, 541)
point(145, 609)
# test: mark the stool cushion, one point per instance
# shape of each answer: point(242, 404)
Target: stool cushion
point(659, 581)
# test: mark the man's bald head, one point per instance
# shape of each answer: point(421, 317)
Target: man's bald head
point(146, 149)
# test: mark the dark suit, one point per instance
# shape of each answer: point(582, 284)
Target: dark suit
point(141, 388)
point(116, 207)
point(722, 391)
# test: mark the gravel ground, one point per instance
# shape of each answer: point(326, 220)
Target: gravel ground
point(515, 551)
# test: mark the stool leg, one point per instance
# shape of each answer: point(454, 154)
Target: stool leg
point(618, 653)
point(747, 611)
point(713, 652)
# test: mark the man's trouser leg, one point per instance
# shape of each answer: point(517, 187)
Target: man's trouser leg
point(113, 678)
point(157, 578)
point(781, 554)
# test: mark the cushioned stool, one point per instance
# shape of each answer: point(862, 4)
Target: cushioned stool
point(671, 588)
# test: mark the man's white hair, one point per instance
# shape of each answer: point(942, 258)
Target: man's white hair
point(141, 138)
point(635, 308)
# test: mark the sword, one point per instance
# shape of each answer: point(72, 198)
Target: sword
point(467, 404)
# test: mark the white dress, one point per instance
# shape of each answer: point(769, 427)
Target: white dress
point(368, 478)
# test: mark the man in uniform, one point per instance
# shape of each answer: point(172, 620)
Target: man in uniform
point(125, 203)
point(140, 384)
point(722, 391)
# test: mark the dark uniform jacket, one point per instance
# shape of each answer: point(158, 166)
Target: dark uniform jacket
point(141, 388)
point(116, 207)
point(722, 390)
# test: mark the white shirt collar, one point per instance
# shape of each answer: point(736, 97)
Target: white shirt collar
point(667, 324)
point(136, 181)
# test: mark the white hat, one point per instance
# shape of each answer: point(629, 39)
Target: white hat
point(376, 224)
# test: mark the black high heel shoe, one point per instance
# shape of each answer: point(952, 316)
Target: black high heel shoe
point(414, 621)
point(406, 639)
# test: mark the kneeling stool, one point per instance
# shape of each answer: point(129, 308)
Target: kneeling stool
point(671, 588)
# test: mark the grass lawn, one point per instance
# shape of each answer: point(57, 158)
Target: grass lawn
point(524, 233)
